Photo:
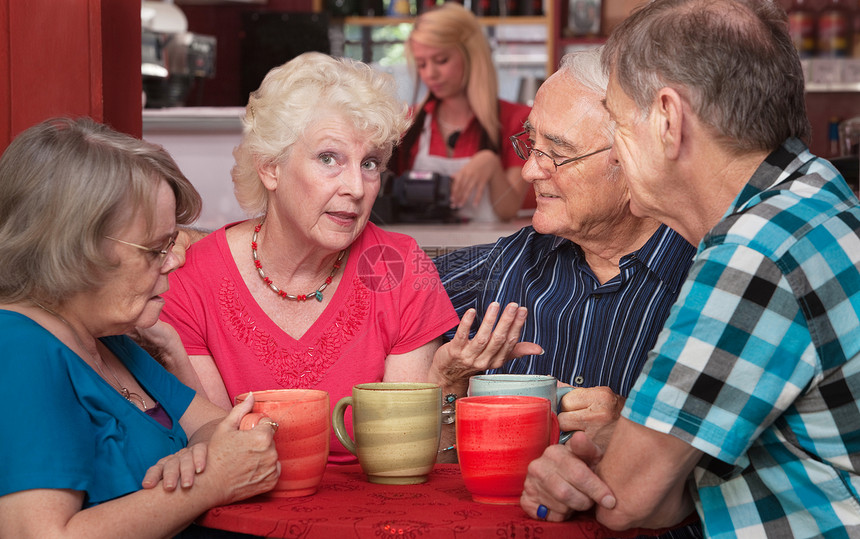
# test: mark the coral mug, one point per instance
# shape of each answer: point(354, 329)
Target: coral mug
point(497, 437)
point(302, 437)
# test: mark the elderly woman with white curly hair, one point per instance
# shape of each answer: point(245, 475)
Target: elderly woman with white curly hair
point(307, 293)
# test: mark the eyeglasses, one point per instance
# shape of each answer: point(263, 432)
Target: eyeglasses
point(161, 252)
point(524, 151)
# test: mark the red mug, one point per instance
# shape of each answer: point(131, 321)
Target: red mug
point(302, 437)
point(497, 437)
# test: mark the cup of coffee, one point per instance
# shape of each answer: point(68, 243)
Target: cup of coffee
point(497, 437)
point(302, 437)
point(397, 428)
point(536, 385)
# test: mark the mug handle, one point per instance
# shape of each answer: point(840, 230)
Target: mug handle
point(560, 392)
point(339, 425)
point(553, 427)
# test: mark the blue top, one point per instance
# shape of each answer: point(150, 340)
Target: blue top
point(65, 427)
point(759, 364)
point(592, 334)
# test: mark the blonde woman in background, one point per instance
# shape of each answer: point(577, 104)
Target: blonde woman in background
point(462, 127)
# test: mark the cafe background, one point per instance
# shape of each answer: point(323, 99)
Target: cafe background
point(181, 78)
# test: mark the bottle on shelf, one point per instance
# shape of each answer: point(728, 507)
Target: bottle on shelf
point(484, 8)
point(424, 5)
point(834, 29)
point(802, 24)
point(399, 8)
point(833, 137)
point(507, 8)
point(371, 8)
point(341, 8)
point(530, 7)
point(855, 33)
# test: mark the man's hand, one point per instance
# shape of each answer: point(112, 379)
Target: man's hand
point(562, 480)
point(592, 410)
point(491, 347)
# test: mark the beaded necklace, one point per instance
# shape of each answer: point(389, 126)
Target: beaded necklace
point(317, 294)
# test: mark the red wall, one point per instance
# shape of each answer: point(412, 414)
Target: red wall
point(59, 63)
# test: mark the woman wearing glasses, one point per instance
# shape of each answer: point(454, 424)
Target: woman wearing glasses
point(87, 226)
point(462, 127)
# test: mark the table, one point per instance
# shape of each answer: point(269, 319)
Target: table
point(348, 506)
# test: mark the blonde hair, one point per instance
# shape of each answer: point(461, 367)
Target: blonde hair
point(453, 26)
point(66, 184)
point(292, 95)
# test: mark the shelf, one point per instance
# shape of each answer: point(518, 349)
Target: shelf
point(544, 20)
point(832, 87)
point(392, 21)
point(831, 75)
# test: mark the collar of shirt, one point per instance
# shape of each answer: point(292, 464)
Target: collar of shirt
point(666, 254)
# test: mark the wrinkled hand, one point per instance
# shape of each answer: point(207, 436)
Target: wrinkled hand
point(161, 341)
point(238, 464)
point(592, 410)
point(178, 468)
point(563, 480)
point(184, 240)
point(243, 463)
point(491, 347)
point(470, 182)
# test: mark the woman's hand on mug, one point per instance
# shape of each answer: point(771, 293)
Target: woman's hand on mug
point(243, 463)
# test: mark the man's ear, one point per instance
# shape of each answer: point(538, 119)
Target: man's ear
point(268, 172)
point(668, 115)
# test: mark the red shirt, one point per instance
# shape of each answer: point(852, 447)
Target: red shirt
point(389, 301)
point(512, 116)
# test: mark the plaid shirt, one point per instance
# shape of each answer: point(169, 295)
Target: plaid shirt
point(759, 363)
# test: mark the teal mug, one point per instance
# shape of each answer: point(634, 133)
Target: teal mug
point(535, 385)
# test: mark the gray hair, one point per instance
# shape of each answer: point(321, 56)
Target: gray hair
point(293, 95)
point(66, 184)
point(732, 59)
point(585, 68)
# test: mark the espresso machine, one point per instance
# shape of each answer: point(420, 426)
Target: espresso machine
point(172, 59)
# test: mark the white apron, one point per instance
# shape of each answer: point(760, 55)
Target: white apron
point(482, 212)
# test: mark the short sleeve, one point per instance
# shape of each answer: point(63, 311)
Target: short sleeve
point(47, 442)
point(425, 309)
point(726, 364)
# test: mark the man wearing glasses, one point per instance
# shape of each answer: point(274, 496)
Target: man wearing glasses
point(597, 280)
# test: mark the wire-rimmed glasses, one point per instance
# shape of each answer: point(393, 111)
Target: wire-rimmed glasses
point(161, 252)
point(523, 150)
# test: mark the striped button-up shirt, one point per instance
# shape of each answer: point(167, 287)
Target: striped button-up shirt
point(593, 334)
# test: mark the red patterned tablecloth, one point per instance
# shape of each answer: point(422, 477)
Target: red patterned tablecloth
point(348, 506)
